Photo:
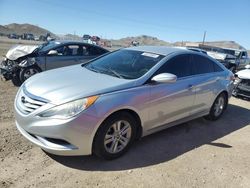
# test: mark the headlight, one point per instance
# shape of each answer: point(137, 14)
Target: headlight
point(70, 109)
point(237, 80)
point(27, 62)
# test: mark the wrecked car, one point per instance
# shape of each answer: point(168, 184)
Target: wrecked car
point(23, 61)
point(242, 83)
point(232, 59)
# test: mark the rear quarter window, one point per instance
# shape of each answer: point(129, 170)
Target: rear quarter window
point(203, 65)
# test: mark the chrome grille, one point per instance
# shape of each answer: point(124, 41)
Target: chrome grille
point(28, 103)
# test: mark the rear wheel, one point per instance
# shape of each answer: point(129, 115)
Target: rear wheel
point(218, 107)
point(115, 136)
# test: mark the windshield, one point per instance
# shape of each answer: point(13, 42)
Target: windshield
point(47, 46)
point(126, 64)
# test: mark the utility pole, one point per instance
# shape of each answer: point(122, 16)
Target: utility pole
point(204, 37)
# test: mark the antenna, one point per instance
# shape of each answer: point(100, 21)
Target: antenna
point(204, 37)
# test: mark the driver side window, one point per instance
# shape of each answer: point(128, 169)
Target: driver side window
point(179, 65)
point(56, 52)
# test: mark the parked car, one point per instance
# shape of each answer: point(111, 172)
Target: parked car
point(102, 106)
point(233, 59)
point(36, 38)
point(27, 36)
point(242, 83)
point(23, 61)
point(13, 36)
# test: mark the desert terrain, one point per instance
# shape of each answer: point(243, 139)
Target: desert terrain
point(199, 153)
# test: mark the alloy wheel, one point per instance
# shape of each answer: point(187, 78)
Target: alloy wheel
point(219, 106)
point(117, 136)
point(29, 72)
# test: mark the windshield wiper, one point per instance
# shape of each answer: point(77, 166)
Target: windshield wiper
point(115, 73)
point(102, 71)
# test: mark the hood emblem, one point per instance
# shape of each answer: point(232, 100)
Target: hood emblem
point(23, 99)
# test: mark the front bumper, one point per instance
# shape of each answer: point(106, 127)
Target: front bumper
point(242, 89)
point(74, 137)
point(5, 73)
point(61, 137)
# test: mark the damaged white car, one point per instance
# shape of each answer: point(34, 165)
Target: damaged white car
point(242, 83)
point(23, 61)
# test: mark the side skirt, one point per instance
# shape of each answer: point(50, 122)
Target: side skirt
point(183, 120)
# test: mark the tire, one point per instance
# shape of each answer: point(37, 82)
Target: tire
point(27, 72)
point(218, 107)
point(16, 80)
point(113, 148)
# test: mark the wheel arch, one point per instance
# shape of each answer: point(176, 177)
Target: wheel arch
point(127, 110)
point(226, 93)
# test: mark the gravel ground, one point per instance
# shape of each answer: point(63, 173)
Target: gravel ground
point(199, 153)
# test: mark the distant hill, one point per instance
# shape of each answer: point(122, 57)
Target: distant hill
point(143, 40)
point(123, 42)
point(23, 28)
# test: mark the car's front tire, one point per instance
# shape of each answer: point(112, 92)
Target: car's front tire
point(115, 135)
point(218, 107)
point(16, 79)
point(27, 72)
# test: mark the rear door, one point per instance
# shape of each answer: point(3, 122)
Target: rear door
point(172, 101)
point(207, 77)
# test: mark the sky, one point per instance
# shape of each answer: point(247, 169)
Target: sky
point(169, 20)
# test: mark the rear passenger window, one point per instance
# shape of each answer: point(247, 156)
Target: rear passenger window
point(95, 51)
point(179, 66)
point(202, 65)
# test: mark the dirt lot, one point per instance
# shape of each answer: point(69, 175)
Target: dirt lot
point(196, 154)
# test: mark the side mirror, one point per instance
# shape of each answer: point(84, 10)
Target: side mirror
point(52, 52)
point(164, 78)
point(247, 66)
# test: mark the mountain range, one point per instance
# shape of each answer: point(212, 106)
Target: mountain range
point(123, 42)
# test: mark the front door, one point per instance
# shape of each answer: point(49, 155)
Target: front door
point(172, 101)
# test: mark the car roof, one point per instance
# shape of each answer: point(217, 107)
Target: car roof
point(161, 50)
point(69, 42)
point(76, 43)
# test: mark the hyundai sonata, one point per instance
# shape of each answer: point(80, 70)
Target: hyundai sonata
point(103, 106)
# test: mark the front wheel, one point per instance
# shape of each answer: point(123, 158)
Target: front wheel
point(115, 136)
point(16, 80)
point(218, 107)
point(27, 72)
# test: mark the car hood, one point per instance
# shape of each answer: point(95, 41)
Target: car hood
point(73, 82)
point(244, 74)
point(20, 51)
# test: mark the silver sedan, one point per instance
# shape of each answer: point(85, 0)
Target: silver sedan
point(103, 106)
